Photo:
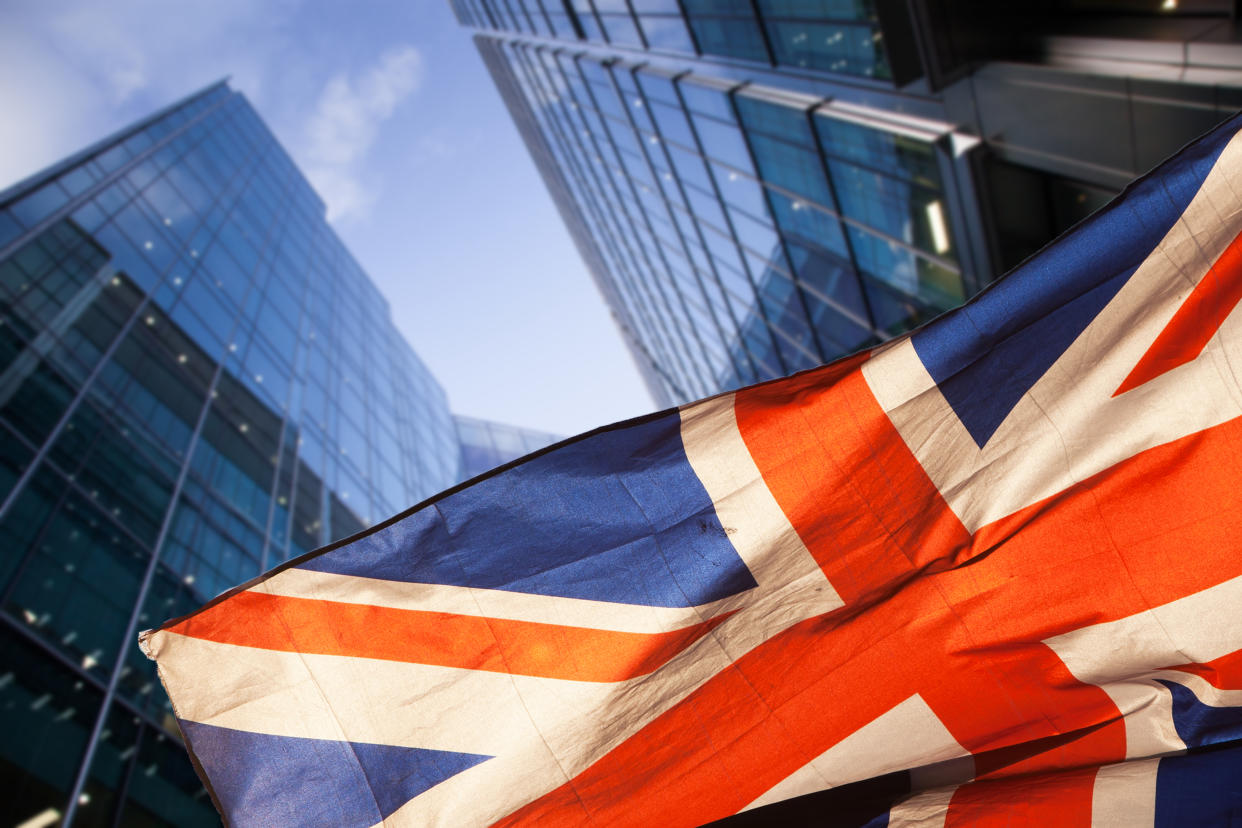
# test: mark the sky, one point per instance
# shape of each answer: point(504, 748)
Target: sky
point(388, 109)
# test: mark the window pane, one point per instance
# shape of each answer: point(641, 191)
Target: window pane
point(46, 715)
point(728, 36)
point(667, 33)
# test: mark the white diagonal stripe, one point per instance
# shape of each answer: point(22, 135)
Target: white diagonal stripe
point(1051, 439)
point(1123, 657)
point(342, 698)
point(543, 732)
point(1124, 795)
point(925, 810)
point(868, 752)
point(1206, 692)
point(488, 603)
point(755, 523)
point(1198, 628)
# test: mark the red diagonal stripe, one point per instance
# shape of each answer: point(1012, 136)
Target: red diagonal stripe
point(966, 638)
point(1062, 798)
point(861, 503)
point(1224, 673)
point(1196, 321)
point(304, 625)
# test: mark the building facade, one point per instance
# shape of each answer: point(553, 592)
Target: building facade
point(759, 186)
point(197, 382)
point(486, 444)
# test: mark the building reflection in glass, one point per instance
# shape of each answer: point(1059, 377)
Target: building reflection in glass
point(197, 382)
point(740, 232)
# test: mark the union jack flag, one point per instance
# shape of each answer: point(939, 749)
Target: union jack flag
point(989, 572)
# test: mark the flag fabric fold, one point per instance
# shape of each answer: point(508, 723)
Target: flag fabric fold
point(990, 571)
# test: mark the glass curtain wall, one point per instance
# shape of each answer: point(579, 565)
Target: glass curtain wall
point(837, 36)
point(486, 444)
point(197, 382)
point(746, 233)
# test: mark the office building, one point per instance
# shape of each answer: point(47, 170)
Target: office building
point(486, 444)
point(758, 186)
point(197, 382)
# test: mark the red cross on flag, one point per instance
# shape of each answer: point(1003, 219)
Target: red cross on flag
point(990, 572)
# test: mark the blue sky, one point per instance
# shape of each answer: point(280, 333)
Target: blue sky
point(387, 107)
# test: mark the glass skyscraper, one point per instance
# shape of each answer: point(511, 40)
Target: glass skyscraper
point(197, 382)
point(759, 186)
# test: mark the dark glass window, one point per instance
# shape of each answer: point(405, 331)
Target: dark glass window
point(736, 37)
point(46, 715)
point(163, 788)
point(34, 208)
point(76, 579)
point(894, 154)
point(829, 47)
point(933, 284)
point(792, 168)
point(905, 211)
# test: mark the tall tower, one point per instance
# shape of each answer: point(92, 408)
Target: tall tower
point(758, 186)
point(197, 382)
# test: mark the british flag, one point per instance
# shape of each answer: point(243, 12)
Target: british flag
point(989, 572)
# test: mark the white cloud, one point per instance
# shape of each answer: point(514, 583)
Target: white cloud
point(80, 69)
point(102, 39)
point(345, 123)
point(89, 68)
point(440, 144)
point(46, 114)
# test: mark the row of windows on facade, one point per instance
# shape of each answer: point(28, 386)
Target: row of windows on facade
point(189, 360)
point(166, 400)
point(140, 776)
point(827, 232)
point(216, 285)
point(838, 36)
point(129, 432)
